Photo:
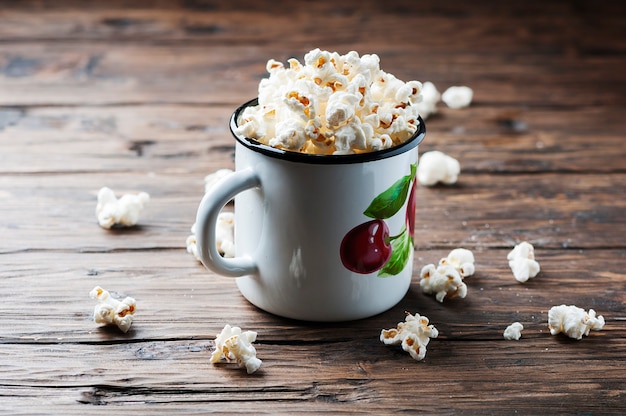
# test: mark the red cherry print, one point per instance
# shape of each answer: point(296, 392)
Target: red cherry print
point(366, 248)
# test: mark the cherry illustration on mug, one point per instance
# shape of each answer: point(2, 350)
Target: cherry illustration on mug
point(369, 247)
point(366, 248)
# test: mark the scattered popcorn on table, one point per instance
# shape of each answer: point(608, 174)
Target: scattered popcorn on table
point(573, 321)
point(225, 227)
point(522, 262)
point(332, 104)
point(124, 211)
point(233, 345)
point(462, 260)
point(457, 97)
point(113, 311)
point(513, 331)
point(430, 98)
point(443, 281)
point(211, 179)
point(437, 167)
point(446, 279)
point(413, 334)
point(224, 236)
point(192, 243)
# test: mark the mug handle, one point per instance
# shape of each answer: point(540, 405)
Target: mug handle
point(206, 221)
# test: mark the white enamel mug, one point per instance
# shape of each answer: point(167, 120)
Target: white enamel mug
point(317, 237)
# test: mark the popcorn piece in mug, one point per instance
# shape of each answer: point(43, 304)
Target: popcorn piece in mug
point(513, 331)
point(437, 167)
point(522, 262)
point(457, 97)
point(332, 104)
point(573, 321)
point(113, 311)
point(413, 335)
point(235, 345)
point(125, 211)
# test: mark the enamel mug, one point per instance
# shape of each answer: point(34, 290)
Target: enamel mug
point(317, 237)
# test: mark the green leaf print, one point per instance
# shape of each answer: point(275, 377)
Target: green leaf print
point(401, 247)
point(389, 202)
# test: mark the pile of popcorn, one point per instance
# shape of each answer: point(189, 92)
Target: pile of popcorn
point(332, 104)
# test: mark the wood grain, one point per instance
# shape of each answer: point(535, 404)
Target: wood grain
point(196, 138)
point(94, 74)
point(137, 96)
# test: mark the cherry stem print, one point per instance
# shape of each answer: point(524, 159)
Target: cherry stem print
point(368, 247)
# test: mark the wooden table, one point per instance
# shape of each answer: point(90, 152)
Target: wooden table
point(137, 98)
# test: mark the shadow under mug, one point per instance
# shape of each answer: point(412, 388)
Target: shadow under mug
point(317, 237)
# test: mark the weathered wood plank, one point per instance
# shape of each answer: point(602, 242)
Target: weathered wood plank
point(532, 24)
point(96, 74)
point(58, 211)
point(55, 211)
point(178, 299)
point(179, 138)
point(170, 139)
point(346, 376)
point(137, 97)
point(549, 210)
point(508, 139)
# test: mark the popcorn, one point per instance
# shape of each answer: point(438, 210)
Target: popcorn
point(443, 281)
point(430, 98)
point(413, 335)
point(522, 262)
point(446, 280)
point(573, 321)
point(125, 211)
point(233, 345)
point(112, 311)
point(225, 227)
point(436, 166)
point(457, 97)
point(224, 236)
point(462, 260)
point(513, 331)
point(192, 243)
point(333, 104)
point(212, 179)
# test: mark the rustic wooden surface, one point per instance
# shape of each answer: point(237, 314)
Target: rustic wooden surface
point(138, 97)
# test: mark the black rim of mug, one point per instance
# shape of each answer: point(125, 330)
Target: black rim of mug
point(292, 156)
